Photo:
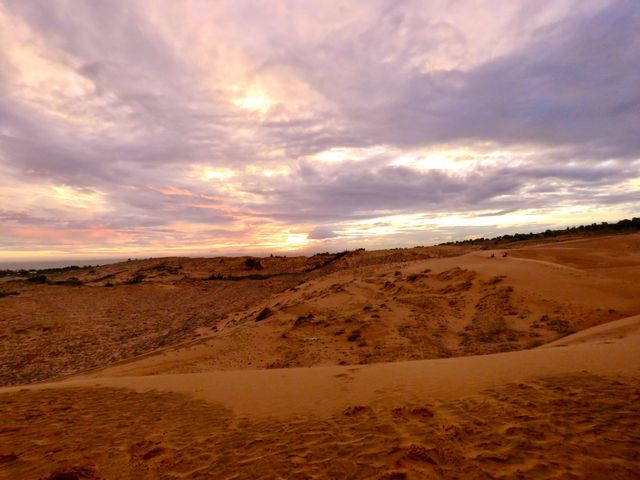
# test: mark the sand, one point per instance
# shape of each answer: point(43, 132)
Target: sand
point(424, 309)
point(92, 317)
point(568, 408)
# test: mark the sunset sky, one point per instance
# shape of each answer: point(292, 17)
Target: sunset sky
point(141, 128)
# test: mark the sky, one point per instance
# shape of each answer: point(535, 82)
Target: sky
point(147, 128)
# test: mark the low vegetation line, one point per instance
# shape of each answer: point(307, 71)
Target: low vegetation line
point(626, 225)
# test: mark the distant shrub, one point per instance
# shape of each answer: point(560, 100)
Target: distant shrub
point(355, 335)
point(265, 313)
point(333, 258)
point(38, 279)
point(139, 277)
point(603, 227)
point(560, 325)
point(494, 280)
point(10, 273)
point(534, 343)
point(72, 282)
point(253, 264)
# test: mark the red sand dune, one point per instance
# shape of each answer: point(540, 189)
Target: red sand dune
point(215, 406)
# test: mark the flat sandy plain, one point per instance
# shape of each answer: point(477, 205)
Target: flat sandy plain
point(434, 362)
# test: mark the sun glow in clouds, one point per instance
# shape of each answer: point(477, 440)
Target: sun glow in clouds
point(253, 99)
point(72, 196)
point(207, 173)
point(344, 154)
point(458, 160)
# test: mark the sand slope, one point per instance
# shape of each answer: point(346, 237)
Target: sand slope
point(205, 408)
point(80, 318)
point(435, 308)
point(569, 410)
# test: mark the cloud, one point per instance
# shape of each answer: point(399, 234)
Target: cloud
point(322, 233)
point(205, 126)
point(573, 82)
